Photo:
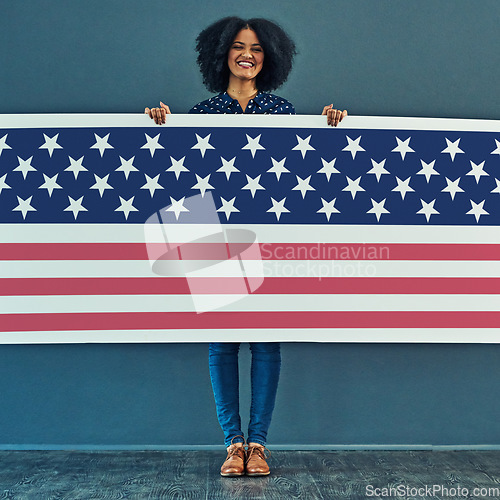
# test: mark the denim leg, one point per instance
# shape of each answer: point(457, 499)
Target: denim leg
point(223, 363)
point(266, 363)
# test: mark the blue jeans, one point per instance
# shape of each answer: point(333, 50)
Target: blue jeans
point(266, 363)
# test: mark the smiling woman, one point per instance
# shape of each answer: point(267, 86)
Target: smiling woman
point(243, 60)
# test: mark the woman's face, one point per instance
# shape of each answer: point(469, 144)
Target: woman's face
point(246, 55)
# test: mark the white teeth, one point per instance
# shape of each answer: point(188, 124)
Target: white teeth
point(245, 64)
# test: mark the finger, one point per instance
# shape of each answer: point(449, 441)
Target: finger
point(166, 108)
point(334, 117)
point(163, 115)
point(156, 115)
point(146, 111)
point(331, 117)
point(337, 117)
point(159, 116)
point(326, 108)
point(341, 116)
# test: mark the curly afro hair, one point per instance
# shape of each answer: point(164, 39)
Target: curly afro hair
point(214, 42)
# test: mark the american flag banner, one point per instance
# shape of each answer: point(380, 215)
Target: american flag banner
point(248, 228)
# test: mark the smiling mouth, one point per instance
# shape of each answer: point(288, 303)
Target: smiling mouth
point(245, 64)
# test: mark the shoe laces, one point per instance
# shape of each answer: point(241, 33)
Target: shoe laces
point(263, 452)
point(233, 449)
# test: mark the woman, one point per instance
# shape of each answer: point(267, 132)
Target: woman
point(242, 60)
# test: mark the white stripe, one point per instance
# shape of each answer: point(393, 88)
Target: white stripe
point(381, 269)
point(399, 335)
point(298, 268)
point(247, 303)
point(266, 233)
point(246, 121)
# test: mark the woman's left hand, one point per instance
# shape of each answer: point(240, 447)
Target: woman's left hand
point(333, 116)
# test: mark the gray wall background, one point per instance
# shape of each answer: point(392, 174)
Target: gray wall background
point(436, 58)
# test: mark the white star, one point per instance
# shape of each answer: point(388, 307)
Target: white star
point(452, 148)
point(427, 170)
point(403, 147)
point(228, 167)
point(253, 144)
point(328, 208)
point(126, 206)
point(50, 144)
point(152, 184)
point(303, 186)
point(177, 206)
point(25, 166)
point(477, 210)
point(75, 166)
point(278, 168)
point(452, 187)
point(378, 208)
point(278, 207)
point(75, 206)
point(202, 144)
point(50, 184)
point(101, 143)
point(101, 183)
point(328, 168)
point(152, 144)
point(177, 166)
point(403, 187)
point(24, 206)
point(127, 166)
point(477, 171)
point(496, 190)
point(428, 209)
point(353, 186)
point(253, 185)
point(3, 143)
point(227, 207)
point(353, 146)
point(3, 184)
point(494, 152)
point(303, 145)
point(378, 169)
point(202, 183)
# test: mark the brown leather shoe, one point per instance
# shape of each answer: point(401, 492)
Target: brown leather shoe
point(234, 465)
point(256, 464)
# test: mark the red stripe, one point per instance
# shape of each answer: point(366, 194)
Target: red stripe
point(269, 251)
point(290, 285)
point(73, 251)
point(237, 320)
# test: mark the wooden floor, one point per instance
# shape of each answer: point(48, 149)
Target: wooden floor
point(328, 475)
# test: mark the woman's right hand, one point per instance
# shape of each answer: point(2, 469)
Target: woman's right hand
point(159, 115)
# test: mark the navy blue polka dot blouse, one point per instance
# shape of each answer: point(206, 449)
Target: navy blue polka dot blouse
point(262, 103)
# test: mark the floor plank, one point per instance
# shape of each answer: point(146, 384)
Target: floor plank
point(192, 475)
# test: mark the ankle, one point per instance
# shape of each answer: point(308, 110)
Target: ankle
point(257, 445)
